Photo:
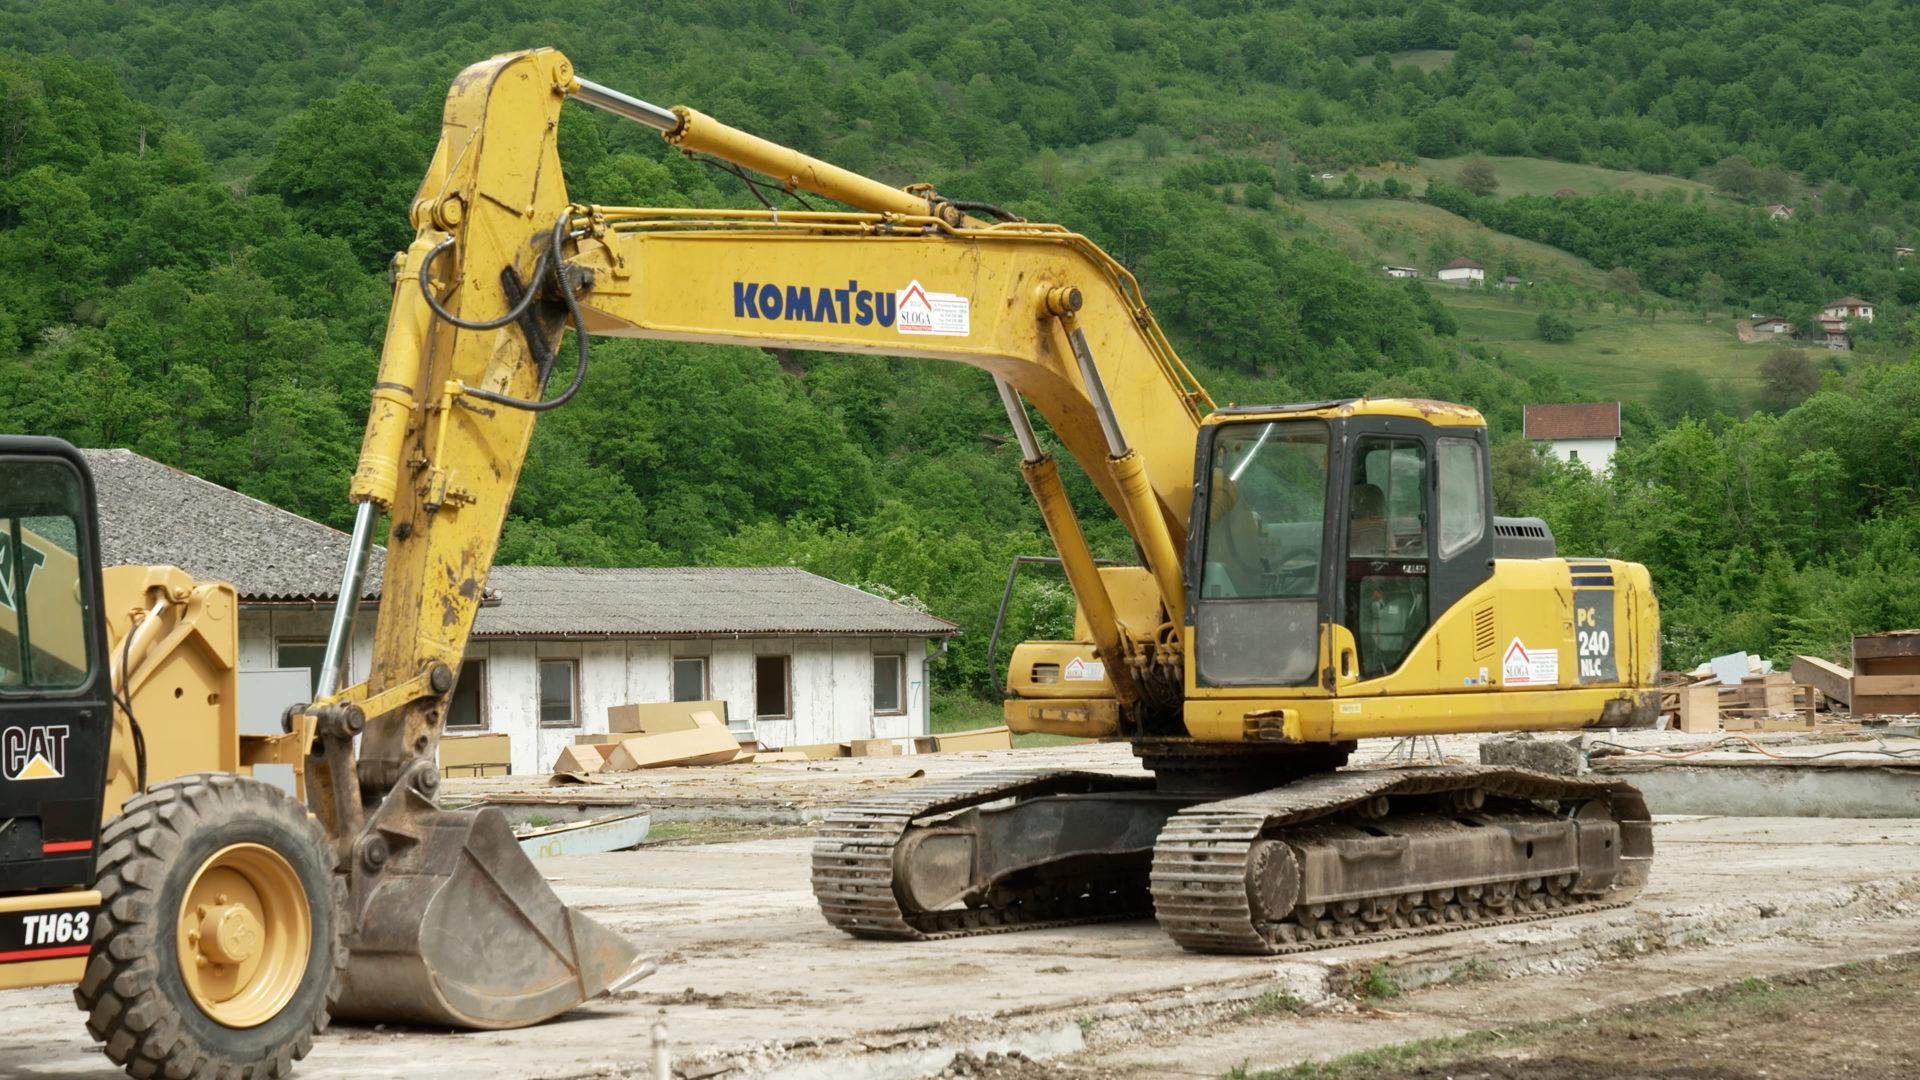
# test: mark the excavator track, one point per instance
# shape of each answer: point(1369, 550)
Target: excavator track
point(1222, 870)
point(854, 863)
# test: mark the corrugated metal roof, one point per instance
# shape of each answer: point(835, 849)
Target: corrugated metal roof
point(565, 601)
point(155, 514)
point(1598, 420)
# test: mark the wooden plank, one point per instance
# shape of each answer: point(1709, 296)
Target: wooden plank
point(1903, 705)
point(1830, 679)
point(1892, 643)
point(1699, 708)
point(1885, 685)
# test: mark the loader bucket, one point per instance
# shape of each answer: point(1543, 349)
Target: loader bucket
point(461, 930)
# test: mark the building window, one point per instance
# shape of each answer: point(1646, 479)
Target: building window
point(889, 683)
point(468, 709)
point(1573, 455)
point(771, 697)
point(302, 654)
point(690, 678)
point(559, 693)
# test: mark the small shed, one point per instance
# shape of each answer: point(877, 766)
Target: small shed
point(1772, 324)
point(1401, 271)
point(1586, 433)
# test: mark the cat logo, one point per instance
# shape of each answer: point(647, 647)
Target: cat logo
point(34, 753)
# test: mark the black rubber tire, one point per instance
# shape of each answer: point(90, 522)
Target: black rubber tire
point(136, 1002)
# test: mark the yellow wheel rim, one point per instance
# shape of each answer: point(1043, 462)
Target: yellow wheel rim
point(243, 935)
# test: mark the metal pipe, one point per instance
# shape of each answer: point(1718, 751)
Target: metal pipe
point(619, 104)
point(1083, 573)
point(1129, 472)
point(135, 649)
point(1096, 389)
point(1017, 416)
point(347, 605)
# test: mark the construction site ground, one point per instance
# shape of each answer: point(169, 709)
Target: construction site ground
point(1798, 931)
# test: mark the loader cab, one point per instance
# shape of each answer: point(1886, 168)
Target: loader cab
point(1372, 515)
point(54, 698)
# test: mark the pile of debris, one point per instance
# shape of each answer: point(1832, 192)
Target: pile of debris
point(1738, 692)
point(677, 733)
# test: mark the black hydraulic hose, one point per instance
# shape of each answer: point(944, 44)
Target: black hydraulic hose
point(579, 332)
point(426, 290)
point(549, 264)
point(125, 700)
point(985, 208)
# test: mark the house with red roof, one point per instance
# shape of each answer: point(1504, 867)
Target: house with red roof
point(1848, 307)
point(1585, 433)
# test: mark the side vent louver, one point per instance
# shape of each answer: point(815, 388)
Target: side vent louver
point(1483, 639)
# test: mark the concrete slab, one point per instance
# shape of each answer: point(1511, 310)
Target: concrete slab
point(753, 984)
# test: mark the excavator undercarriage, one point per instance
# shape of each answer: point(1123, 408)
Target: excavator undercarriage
point(1326, 859)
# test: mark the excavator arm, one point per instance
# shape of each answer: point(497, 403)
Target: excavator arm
point(502, 261)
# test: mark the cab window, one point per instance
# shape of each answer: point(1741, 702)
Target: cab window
point(1256, 622)
point(1265, 511)
point(1387, 557)
point(44, 613)
point(1463, 495)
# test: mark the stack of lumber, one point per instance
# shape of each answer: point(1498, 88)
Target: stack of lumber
point(654, 736)
point(1700, 703)
point(651, 737)
point(1886, 674)
point(476, 755)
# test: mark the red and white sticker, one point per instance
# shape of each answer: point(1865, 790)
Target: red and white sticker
point(1079, 670)
point(1521, 666)
point(918, 311)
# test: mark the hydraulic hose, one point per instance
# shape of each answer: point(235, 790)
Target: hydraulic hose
point(549, 264)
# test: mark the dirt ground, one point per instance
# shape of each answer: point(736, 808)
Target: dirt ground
point(1855, 1022)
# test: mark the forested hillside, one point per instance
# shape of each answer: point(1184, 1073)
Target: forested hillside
point(197, 202)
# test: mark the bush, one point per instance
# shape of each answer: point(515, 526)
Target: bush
point(1555, 328)
point(1258, 196)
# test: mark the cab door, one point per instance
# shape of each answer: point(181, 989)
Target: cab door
point(54, 697)
point(1415, 532)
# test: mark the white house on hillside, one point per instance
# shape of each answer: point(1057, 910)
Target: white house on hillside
point(797, 658)
point(1586, 433)
point(1848, 307)
point(1462, 270)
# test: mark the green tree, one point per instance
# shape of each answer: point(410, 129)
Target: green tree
point(1479, 177)
point(1554, 328)
point(348, 167)
point(1787, 379)
point(1683, 393)
point(1508, 136)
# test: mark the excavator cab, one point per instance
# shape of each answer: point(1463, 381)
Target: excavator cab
point(1369, 516)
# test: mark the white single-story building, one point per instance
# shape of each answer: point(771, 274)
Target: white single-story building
point(1583, 433)
point(796, 657)
point(1462, 271)
point(1401, 271)
point(1772, 324)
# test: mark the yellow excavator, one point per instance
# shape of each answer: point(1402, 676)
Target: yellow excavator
point(1309, 575)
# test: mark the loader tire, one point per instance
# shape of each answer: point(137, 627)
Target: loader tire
point(218, 948)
